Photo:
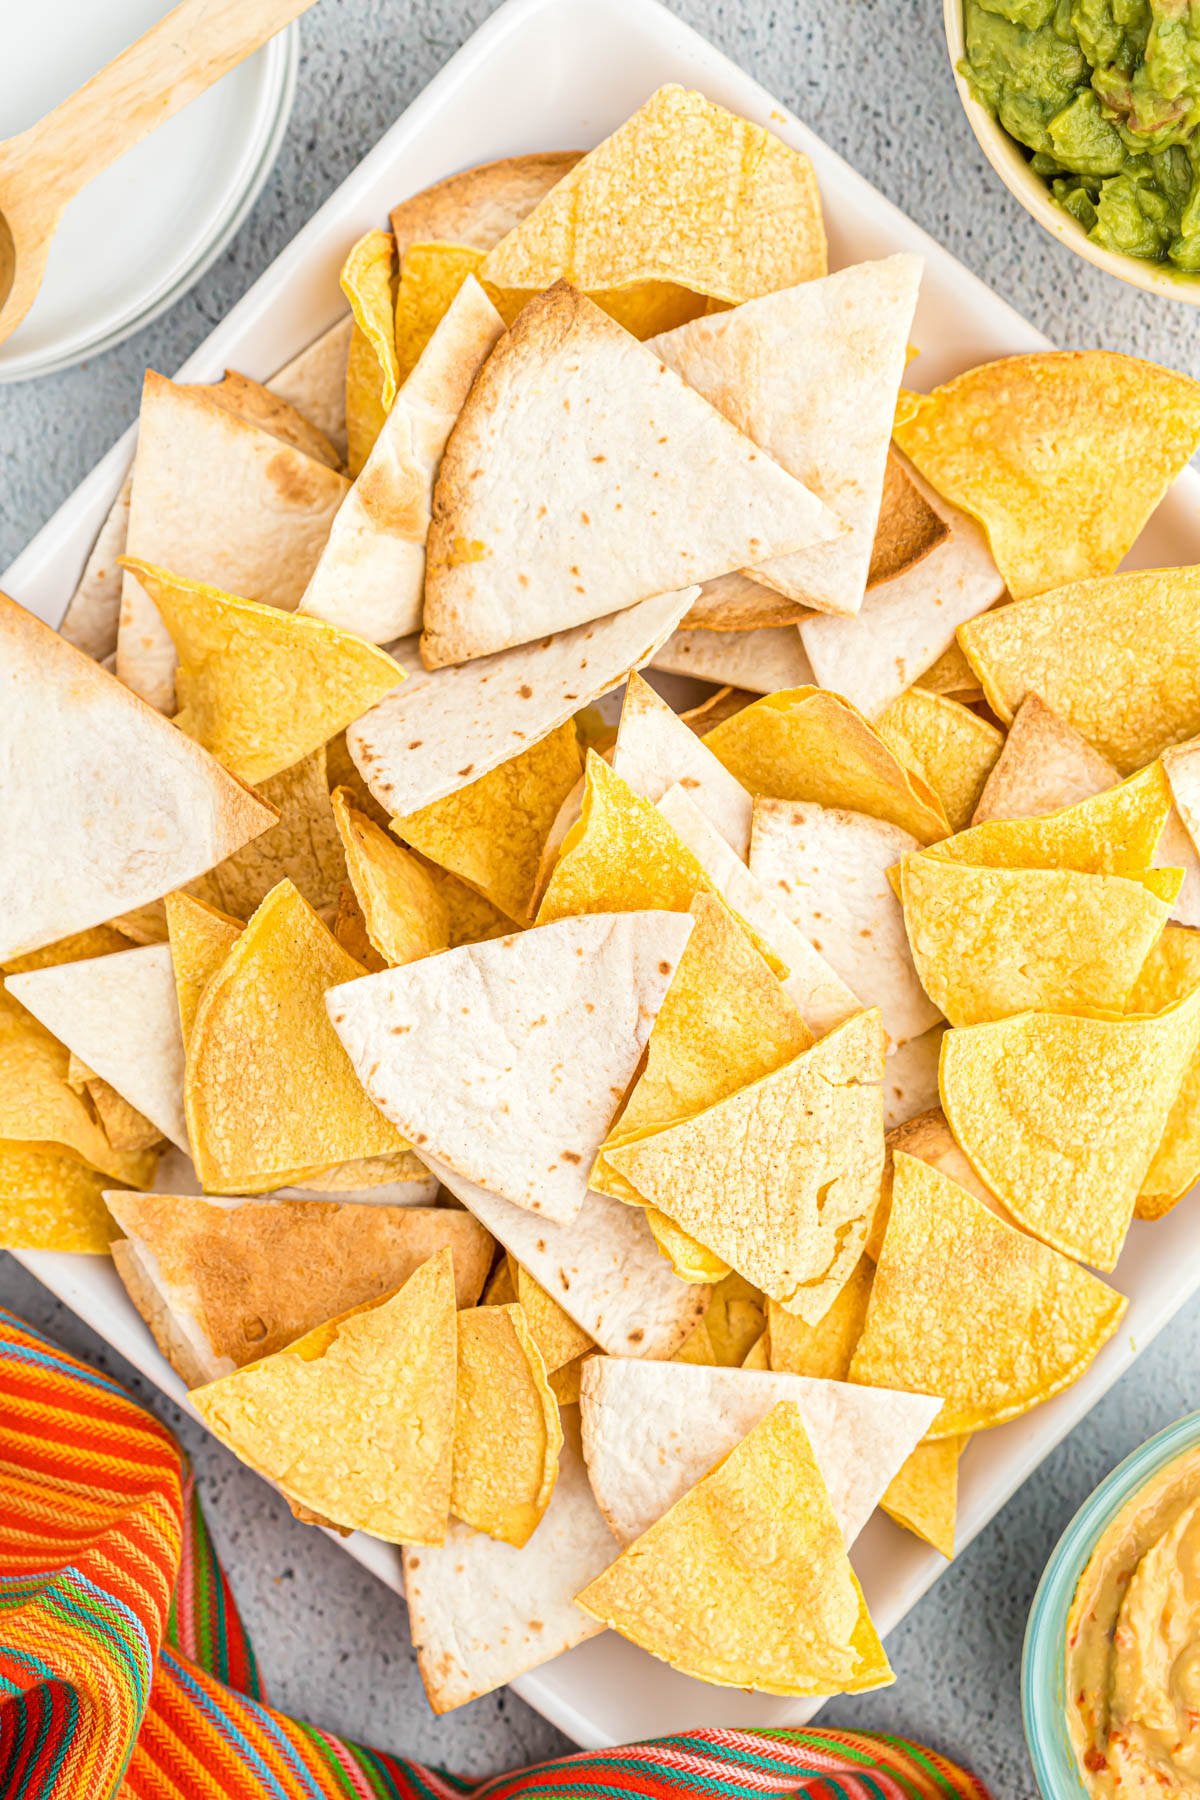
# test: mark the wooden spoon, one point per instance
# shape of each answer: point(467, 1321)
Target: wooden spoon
point(42, 169)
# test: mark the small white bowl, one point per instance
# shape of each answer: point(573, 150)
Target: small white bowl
point(1009, 160)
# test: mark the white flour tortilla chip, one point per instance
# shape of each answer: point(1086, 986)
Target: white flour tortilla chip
point(826, 870)
point(811, 373)
point(652, 1430)
point(483, 1612)
point(94, 609)
point(508, 1059)
point(106, 805)
point(910, 1078)
point(655, 749)
point(765, 661)
point(905, 624)
point(218, 500)
point(315, 382)
point(545, 516)
point(811, 984)
point(371, 575)
point(440, 730)
point(119, 1014)
point(479, 206)
point(605, 1269)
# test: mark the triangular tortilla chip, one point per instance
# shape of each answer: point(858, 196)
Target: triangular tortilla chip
point(94, 609)
point(51, 1201)
point(124, 1126)
point(682, 192)
point(809, 745)
point(507, 1434)
point(241, 1279)
point(315, 382)
point(480, 206)
point(439, 731)
point(1044, 766)
point(255, 404)
point(368, 280)
point(1061, 455)
point(652, 1430)
point(655, 749)
point(929, 1138)
point(404, 916)
point(559, 1339)
point(1061, 1117)
point(745, 1582)
point(825, 1350)
point(991, 1348)
point(953, 748)
point(606, 1268)
point(825, 869)
point(355, 1421)
point(761, 661)
point(910, 1078)
point(1117, 832)
point(642, 487)
point(220, 501)
point(303, 847)
point(923, 1495)
point(83, 835)
point(258, 687)
point(782, 1178)
point(371, 574)
point(1170, 973)
point(200, 938)
point(1119, 659)
point(988, 943)
point(270, 1093)
point(811, 374)
point(756, 1357)
point(483, 1612)
point(119, 1013)
point(509, 1059)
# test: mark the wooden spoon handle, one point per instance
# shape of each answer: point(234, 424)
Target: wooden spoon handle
point(173, 62)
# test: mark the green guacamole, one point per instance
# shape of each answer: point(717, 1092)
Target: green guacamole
point(1105, 94)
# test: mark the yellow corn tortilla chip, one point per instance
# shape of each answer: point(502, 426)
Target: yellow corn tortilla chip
point(258, 687)
point(566, 1383)
point(404, 915)
point(303, 847)
point(1061, 1117)
point(501, 1289)
point(507, 1434)
point(782, 1178)
point(756, 1356)
point(988, 943)
point(967, 1307)
point(1169, 974)
point(1119, 659)
point(350, 930)
point(682, 192)
point(697, 1347)
point(270, 1093)
point(472, 918)
point(558, 1338)
point(725, 1022)
point(355, 1420)
point(1062, 456)
point(201, 937)
point(823, 1350)
point(952, 676)
point(923, 1494)
point(689, 1259)
point(745, 1582)
point(430, 276)
point(928, 1137)
point(368, 281)
point(81, 946)
point(950, 746)
point(735, 1320)
point(123, 1125)
point(50, 1201)
point(807, 744)
point(490, 833)
point(1112, 833)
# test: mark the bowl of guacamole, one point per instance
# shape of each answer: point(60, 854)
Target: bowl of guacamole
point(1090, 112)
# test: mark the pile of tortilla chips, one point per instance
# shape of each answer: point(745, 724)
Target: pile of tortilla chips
point(612, 1147)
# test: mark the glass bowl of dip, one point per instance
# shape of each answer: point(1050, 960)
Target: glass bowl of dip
point(1044, 1676)
point(1011, 162)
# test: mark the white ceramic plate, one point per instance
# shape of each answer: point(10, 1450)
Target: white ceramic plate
point(549, 74)
point(141, 233)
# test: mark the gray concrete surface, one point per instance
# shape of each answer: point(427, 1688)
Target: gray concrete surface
point(871, 77)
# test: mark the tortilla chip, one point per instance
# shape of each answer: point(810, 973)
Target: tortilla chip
point(954, 749)
point(120, 1015)
point(507, 1434)
point(988, 943)
point(1178, 845)
point(501, 1287)
point(558, 1338)
point(1061, 455)
point(735, 1320)
point(952, 675)
point(441, 730)
point(97, 940)
point(1116, 832)
point(655, 749)
point(370, 577)
point(94, 609)
point(697, 1347)
point(223, 502)
point(258, 687)
point(719, 706)
point(992, 1348)
point(473, 920)
point(825, 1350)
point(400, 1177)
point(404, 916)
point(745, 1582)
point(490, 833)
point(144, 924)
point(368, 280)
point(314, 382)
point(123, 1125)
point(1134, 636)
point(356, 1419)
point(201, 937)
point(270, 1092)
point(50, 1201)
point(783, 1177)
point(433, 274)
point(923, 1495)
point(805, 744)
point(702, 498)
point(756, 1357)
point(621, 855)
point(565, 1383)
point(507, 1060)
point(481, 205)
point(909, 525)
point(303, 847)
point(1061, 1117)
point(682, 192)
point(689, 1258)
point(255, 404)
point(761, 661)
point(827, 871)
point(1044, 766)
point(238, 1280)
point(1169, 974)
point(930, 1140)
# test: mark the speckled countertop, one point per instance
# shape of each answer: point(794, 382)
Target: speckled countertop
point(871, 76)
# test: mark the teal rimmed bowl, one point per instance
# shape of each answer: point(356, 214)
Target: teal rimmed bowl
point(1043, 1662)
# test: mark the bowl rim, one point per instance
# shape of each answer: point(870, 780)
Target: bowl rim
point(1008, 160)
point(1043, 1661)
